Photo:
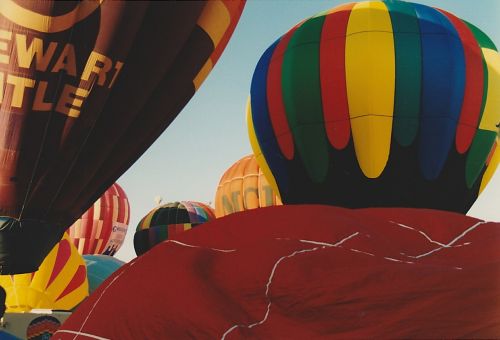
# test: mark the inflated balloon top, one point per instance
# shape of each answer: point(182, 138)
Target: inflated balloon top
point(85, 88)
point(243, 187)
point(378, 104)
point(167, 220)
point(102, 228)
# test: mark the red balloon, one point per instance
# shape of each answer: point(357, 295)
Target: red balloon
point(102, 228)
point(307, 272)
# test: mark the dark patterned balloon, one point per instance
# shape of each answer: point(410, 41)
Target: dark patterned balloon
point(85, 88)
point(167, 220)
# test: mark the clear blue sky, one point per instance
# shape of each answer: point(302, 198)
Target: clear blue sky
point(210, 134)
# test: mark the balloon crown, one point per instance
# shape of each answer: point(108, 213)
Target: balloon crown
point(378, 104)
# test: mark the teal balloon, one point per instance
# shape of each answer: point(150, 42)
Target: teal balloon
point(99, 268)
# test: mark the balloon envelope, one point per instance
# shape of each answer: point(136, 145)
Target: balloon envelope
point(168, 220)
point(60, 283)
point(377, 104)
point(42, 327)
point(102, 228)
point(243, 187)
point(86, 87)
point(99, 268)
point(308, 272)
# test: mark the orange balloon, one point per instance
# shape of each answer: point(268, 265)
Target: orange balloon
point(244, 187)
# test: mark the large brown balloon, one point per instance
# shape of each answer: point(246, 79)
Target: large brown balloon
point(85, 88)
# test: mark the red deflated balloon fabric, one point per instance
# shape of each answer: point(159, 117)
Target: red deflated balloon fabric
point(303, 272)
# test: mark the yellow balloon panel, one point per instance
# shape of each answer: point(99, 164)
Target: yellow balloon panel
point(60, 282)
point(234, 186)
point(250, 188)
point(370, 80)
point(493, 162)
point(491, 113)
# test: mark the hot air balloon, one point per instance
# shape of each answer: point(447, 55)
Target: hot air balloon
point(42, 327)
point(99, 268)
point(167, 220)
point(102, 228)
point(308, 272)
point(378, 104)
point(60, 283)
point(243, 187)
point(86, 87)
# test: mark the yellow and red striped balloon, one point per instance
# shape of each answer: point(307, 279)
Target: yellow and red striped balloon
point(378, 104)
point(60, 282)
point(102, 228)
point(243, 187)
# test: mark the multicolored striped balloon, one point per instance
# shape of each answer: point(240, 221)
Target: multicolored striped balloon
point(102, 228)
point(167, 220)
point(378, 104)
point(42, 328)
point(243, 187)
point(60, 282)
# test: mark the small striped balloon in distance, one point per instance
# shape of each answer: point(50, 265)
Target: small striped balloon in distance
point(99, 268)
point(102, 228)
point(60, 282)
point(243, 187)
point(378, 103)
point(42, 328)
point(167, 220)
